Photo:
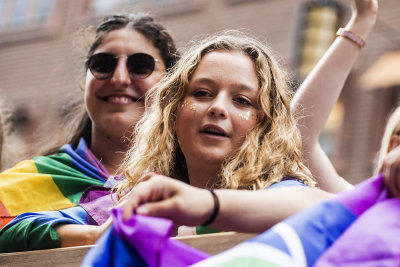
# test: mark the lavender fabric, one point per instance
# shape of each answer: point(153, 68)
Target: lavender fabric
point(141, 241)
point(366, 195)
point(150, 237)
point(97, 202)
point(373, 239)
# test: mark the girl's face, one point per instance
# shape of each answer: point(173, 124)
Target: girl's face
point(117, 103)
point(219, 107)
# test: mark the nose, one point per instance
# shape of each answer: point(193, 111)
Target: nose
point(121, 75)
point(218, 107)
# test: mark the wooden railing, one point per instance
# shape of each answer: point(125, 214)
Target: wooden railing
point(72, 256)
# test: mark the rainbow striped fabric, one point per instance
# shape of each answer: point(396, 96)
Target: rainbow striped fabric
point(360, 227)
point(37, 230)
point(48, 183)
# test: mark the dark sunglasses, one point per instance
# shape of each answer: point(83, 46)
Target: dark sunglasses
point(139, 65)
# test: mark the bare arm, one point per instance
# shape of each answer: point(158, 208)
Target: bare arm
point(255, 212)
point(244, 211)
point(318, 94)
point(79, 235)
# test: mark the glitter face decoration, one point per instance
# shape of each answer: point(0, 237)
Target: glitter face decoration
point(248, 115)
point(189, 104)
point(245, 117)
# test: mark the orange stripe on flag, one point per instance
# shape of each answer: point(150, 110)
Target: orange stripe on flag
point(4, 220)
point(3, 210)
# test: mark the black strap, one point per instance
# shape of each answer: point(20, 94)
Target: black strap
point(216, 208)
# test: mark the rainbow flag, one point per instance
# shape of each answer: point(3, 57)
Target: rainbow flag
point(140, 241)
point(360, 227)
point(48, 183)
point(36, 230)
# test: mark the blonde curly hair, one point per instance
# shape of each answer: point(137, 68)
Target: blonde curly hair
point(271, 149)
point(392, 128)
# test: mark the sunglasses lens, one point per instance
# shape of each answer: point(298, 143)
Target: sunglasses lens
point(102, 65)
point(140, 65)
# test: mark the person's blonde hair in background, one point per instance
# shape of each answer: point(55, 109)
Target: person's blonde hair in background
point(391, 137)
point(270, 151)
point(389, 154)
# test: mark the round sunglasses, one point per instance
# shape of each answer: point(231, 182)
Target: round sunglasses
point(139, 65)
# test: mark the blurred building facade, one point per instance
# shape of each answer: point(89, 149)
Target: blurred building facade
point(40, 65)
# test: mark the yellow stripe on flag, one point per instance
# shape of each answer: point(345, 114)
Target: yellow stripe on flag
point(23, 189)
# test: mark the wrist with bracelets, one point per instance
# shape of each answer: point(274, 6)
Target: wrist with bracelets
point(352, 36)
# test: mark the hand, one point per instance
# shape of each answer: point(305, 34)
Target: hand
point(364, 8)
point(391, 171)
point(162, 196)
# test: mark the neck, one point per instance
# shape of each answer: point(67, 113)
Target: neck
point(202, 175)
point(109, 150)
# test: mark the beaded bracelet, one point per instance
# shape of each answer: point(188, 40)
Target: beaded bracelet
point(352, 36)
point(216, 208)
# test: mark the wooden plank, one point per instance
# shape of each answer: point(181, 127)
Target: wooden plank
point(215, 243)
point(72, 256)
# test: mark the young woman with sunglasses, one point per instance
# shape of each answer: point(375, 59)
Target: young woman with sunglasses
point(128, 55)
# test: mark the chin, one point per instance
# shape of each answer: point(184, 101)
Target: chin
point(214, 159)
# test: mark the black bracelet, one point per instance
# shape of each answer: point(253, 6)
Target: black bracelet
point(216, 208)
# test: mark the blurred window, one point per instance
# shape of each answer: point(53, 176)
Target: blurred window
point(330, 136)
point(316, 30)
point(25, 19)
point(316, 27)
point(156, 7)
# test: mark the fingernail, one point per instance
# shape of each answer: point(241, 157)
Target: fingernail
point(143, 210)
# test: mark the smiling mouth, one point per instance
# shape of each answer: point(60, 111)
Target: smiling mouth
point(121, 99)
point(214, 131)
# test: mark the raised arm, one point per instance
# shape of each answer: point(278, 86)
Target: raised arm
point(239, 210)
point(319, 92)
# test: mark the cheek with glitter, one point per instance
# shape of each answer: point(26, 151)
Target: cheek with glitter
point(249, 116)
point(245, 116)
point(189, 104)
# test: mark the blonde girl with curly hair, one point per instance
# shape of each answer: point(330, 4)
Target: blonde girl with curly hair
point(269, 151)
point(220, 119)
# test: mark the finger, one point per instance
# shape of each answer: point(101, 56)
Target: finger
point(145, 177)
point(165, 208)
point(133, 200)
point(130, 193)
point(387, 179)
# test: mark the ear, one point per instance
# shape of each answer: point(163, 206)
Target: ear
point(393, 142)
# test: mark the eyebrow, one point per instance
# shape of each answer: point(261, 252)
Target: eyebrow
point(211, 82)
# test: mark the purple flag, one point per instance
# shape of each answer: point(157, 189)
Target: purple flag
point(143, 241)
